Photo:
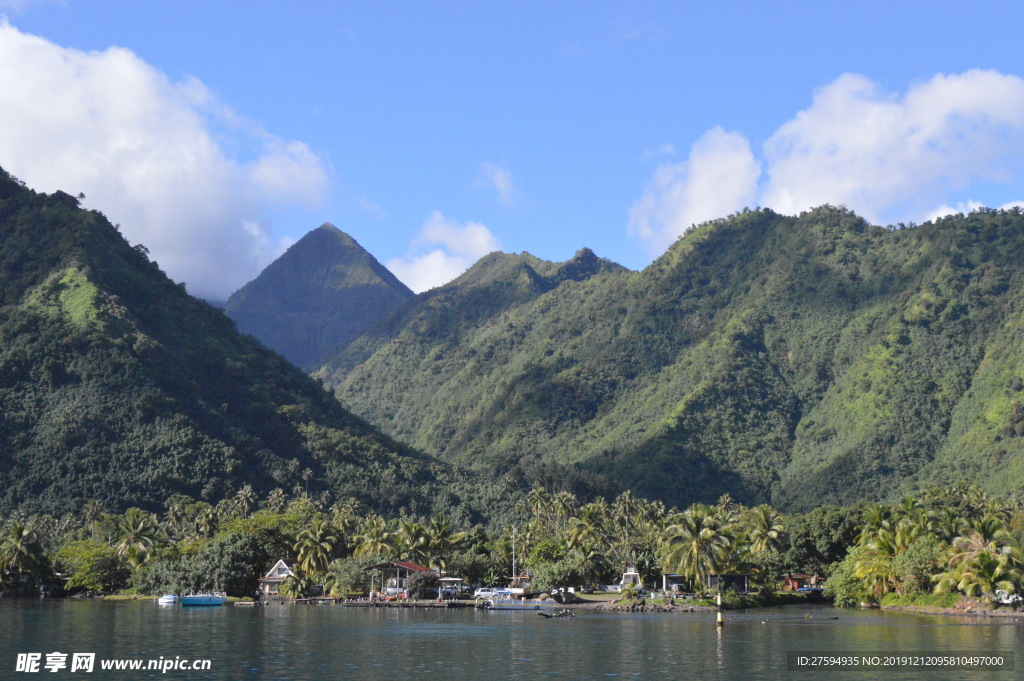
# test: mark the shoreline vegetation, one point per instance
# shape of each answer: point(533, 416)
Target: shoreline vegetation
point(938, 549)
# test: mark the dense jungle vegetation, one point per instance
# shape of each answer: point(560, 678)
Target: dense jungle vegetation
point(792, 360)
point(951, 541)
point(118, 386)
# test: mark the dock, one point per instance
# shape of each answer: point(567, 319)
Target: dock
point(346, 603)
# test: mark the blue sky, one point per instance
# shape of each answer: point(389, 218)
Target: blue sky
point(217, 133)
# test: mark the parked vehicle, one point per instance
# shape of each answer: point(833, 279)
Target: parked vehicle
point(486, 592)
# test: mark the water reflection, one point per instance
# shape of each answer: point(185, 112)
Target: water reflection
point(320, 643)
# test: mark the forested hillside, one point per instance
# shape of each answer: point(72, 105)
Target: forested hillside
point(323, 292)
point(117, 386)
point(798, 360)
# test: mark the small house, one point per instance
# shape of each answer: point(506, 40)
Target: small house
point(674, 584)
point(271, 583)
point(795, 581)
point(738, 583)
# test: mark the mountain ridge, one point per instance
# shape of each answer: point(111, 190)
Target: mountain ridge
point(118, 386)
point(724, 366)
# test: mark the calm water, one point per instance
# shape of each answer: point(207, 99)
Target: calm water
point(329, 642)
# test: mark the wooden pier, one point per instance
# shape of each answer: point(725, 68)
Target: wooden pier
point(383, 604)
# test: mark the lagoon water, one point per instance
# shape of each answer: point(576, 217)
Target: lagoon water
point(321, 643)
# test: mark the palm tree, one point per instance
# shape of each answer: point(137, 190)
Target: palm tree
point(175, 519)
point(876, 517)
point(295, 586)
point(765, 529)
point(624, 508)
point(946, 524)
point(314, 546)
point(980, 575)
point(138, 530)
point(563, 505)
point(205, 521)
point(21, 554)
point(881, 544)
point(695, 545)
point(374, 538)
point(92, 514)
point(245, 499)
point(441, 540)
point(276, 500)
point(410, 541)
point(538, 501)
point(629, 592)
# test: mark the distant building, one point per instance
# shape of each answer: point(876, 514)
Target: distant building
point(738, 583)
point(672, 583)
point(271, 583)
point(795, 581)
point(396, 573)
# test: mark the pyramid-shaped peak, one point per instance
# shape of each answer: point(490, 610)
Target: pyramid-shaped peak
point(321, 293)
point(328, 233)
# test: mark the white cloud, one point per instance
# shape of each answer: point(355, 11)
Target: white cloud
point(877, 152)
point(150, 153)
point(493, 176)
point(443, 250)
point(719, 176)
point(889, 157)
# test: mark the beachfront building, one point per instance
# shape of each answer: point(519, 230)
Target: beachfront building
point(395, 574)
point(271, 583)
point(794, 581)
point(674, 584)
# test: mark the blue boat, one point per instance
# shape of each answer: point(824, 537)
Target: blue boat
point(203, 599)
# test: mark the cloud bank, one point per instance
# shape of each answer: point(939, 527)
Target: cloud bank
point(151, 153)
point(443, 250)
point(888, 157)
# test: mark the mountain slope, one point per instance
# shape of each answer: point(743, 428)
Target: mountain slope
point(117, 385)
point(319, 295)
point(799, 360)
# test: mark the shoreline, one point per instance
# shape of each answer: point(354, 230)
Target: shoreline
point(966, 609)
point(971, 611)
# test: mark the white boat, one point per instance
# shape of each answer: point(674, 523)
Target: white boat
point(204, 599)
point(504, 600)
point(167, 599)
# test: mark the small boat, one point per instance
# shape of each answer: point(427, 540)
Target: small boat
point(560, 613)
point(508, 603)
point(204, 599)
point(167, 599)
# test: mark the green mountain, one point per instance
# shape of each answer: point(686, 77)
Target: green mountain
point(117, 385)
point(798, 360)
point(323, 292)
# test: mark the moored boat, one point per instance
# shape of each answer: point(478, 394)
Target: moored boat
point(167, 599)
point(204, 599)
point(507, 603)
